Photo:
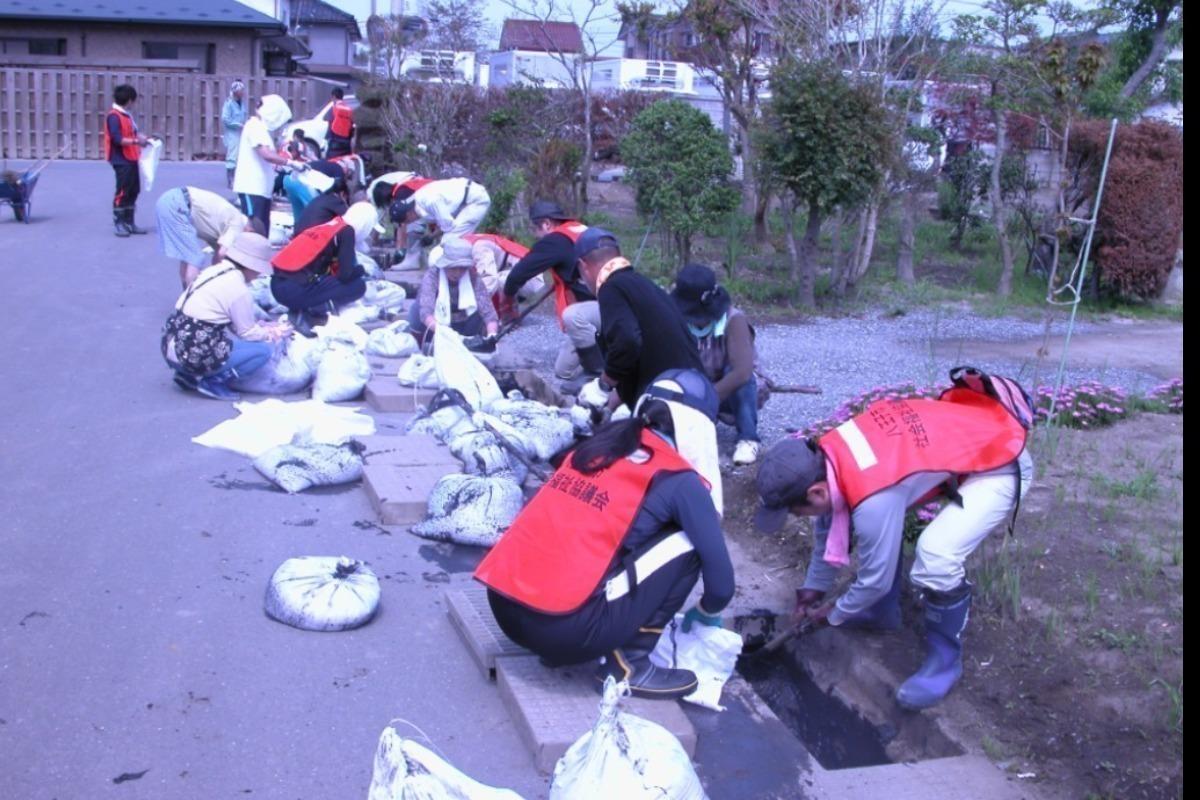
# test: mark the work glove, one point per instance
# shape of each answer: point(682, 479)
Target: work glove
point(481, 344)
point(592, 395)
point(694, 615)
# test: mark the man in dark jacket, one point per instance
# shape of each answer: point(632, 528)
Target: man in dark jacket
point(318, 272)
point(579, 359)
point(642, 333)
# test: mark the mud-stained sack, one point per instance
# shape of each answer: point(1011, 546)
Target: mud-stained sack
point(625, 757)
point(418, 371)
point(458, 368)
point(302, 464)
point(290, 369)
point(471, 509)
point(342, 373)
point(550, 430)
point(394, 341)
point(711, 653)
point(404, 770)
point(322, 593)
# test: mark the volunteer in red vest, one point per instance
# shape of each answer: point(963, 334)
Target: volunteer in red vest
point(318, 272)
point(494, 257)
point(455, 205)
point(579, 359)
point(452, 293)
point(863, 476)
point(254, 176)
point(340, 117)
point(122, 146)
point(609, 549)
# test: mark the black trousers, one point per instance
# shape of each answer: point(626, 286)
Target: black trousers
point(600, 626)
point(258, 208)
point(129, 186)
point(314, 296)
point(338, 147)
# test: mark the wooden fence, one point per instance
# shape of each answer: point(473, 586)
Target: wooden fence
point(43, 111)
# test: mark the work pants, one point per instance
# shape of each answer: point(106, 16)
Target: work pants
point(129, 186)
point(742, 405)
point(581, 324)
point(315, 296)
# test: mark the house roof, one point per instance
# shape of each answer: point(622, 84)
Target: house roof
point(318, 12)
point(216, 13)
point(539, 36)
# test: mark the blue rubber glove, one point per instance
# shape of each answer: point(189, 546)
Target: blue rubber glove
point(694, 615)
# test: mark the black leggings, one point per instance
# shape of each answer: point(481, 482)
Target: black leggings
point(600, 626)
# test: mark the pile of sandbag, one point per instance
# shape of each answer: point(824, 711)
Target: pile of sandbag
point(342, 368)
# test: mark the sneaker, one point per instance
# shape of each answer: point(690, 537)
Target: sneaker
point(746, 452)
point(216, 390)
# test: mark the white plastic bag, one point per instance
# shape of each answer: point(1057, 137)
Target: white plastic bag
point(404, 770)
point(458, 368)
point(301, 464)
point(270, 423)
point(322, 593)
point(625, 757)
point(148, 163)
point(394, 341)
point(419, 371)
point(709, 652)
point(342, 373)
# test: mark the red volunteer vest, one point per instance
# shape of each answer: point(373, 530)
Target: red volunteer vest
point(411, 183)
point(563, 296)
point(963, 432)
point(514, 249)
point(306, 246)
point(342, 124)
point(560, 547)
point(130, 151)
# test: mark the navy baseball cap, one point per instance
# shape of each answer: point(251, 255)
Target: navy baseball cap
point(786, 472)
point(594, 238)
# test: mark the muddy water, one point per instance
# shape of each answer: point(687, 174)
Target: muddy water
point(835, 734)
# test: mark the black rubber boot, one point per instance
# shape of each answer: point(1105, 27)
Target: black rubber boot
point(632, 663)
point(130, 225)
point(591, 359)
point(119, 223)
point(300, 324)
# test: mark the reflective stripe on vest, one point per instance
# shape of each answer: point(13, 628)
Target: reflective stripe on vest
point(343, 121)
point(307, 245)
point(130, 151)
point(961, 433)
point(554, 568)
point(514, 249)
point(563, 296)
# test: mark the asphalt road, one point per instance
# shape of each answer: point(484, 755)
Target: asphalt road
point(134, 562)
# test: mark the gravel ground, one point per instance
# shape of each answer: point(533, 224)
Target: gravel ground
point(847, 355)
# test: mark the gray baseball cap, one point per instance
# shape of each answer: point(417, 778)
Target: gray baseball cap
point(786, 472)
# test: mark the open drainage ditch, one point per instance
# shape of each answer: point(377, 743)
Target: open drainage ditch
point(828, 692)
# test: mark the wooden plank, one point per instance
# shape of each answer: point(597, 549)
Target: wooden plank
point(8, 80)
point(24, 108)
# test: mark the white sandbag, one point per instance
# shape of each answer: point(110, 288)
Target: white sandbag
point(709, 652)
point(301, 464)
point(480, 453)
point(281, 227)
point(471, 509)
point(322, 593)
point(270, 423)
point(404, 770)
point(359, 312)
point(517, 438)
point(419, 371)
point(291, 369)
point(369, 265)
point(385, 294)
point(625, 757)
point(342, 373)
point(549, 429)
point(337, 329)
point(458, 368)
point(394, 341)
point(260, 290)
point(148, 163)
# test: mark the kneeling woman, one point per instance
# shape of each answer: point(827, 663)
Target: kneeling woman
point(197, 342)
point(608, 551)
point(452, 293)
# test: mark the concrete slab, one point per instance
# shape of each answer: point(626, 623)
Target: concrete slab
point(399, 493)
point(416, 450)
point(386, 394)
point(553, 707)
point(472, 617)
point(385, 366)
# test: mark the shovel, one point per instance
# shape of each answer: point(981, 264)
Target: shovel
point(485, 344)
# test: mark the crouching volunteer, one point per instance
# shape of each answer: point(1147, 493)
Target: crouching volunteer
point(452, 293)
point(495, 257)
point(318, 271)
point(644, 525)
point(455, 205)
point(190, 219)
point(579, 359)
point(725, 339)
point(212, 336)
point(862, 477)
